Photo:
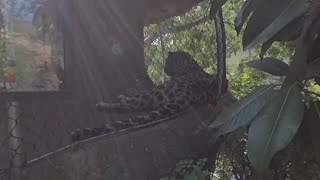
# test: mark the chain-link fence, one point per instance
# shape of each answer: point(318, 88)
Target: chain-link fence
point(192, 32)
point(31, 70)
point(30, 127)
point(25, 131)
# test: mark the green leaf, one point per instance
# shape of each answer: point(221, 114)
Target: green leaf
point(269, 17)
point(313, 70)
point(264, 47)
point(289, 33)
point(275, 127)
point(243, 14)
point(312, 118)
point(242, 112)
point(270, 65)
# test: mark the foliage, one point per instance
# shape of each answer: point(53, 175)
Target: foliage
point(273, 125)
point(273, 116)
point(243, 112)
point(244, 80)
point(189, 170)
point(270, 65)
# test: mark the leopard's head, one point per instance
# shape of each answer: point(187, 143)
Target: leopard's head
point(180, 63)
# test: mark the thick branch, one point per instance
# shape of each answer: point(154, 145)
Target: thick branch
point(221, 49)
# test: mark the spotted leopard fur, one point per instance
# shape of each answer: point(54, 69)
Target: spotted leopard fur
point(189, 86)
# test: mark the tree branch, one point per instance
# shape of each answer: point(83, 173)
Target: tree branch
point(221, 50)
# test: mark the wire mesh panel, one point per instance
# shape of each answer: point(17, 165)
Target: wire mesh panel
point(15, 139)
point(4, 145)
point(192, 32)
point(31, 60)
point(34, 123)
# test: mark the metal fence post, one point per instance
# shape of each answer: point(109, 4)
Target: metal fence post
point(15, 140)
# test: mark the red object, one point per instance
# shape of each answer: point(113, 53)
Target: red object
point(44, 14)
point(216, 107)
point(9, 77)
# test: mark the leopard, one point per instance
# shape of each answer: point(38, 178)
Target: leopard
point(189, 86)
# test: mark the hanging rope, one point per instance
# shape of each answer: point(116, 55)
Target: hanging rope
point(221, 46)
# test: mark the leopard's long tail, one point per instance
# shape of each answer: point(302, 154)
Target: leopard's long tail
point(86, 133)
point(165, 111)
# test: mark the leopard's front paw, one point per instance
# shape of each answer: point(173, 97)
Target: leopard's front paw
point(81, 134)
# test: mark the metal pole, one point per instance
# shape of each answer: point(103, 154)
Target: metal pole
point(15, 140)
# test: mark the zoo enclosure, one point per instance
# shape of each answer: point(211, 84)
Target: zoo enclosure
point(30, 125)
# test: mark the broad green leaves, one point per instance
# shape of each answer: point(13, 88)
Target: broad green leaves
point(289, 33)
point(242, 112)
point(275, 127)
point(274, 117)
point(270, 65)
point(243, 14)
point(269, 17)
